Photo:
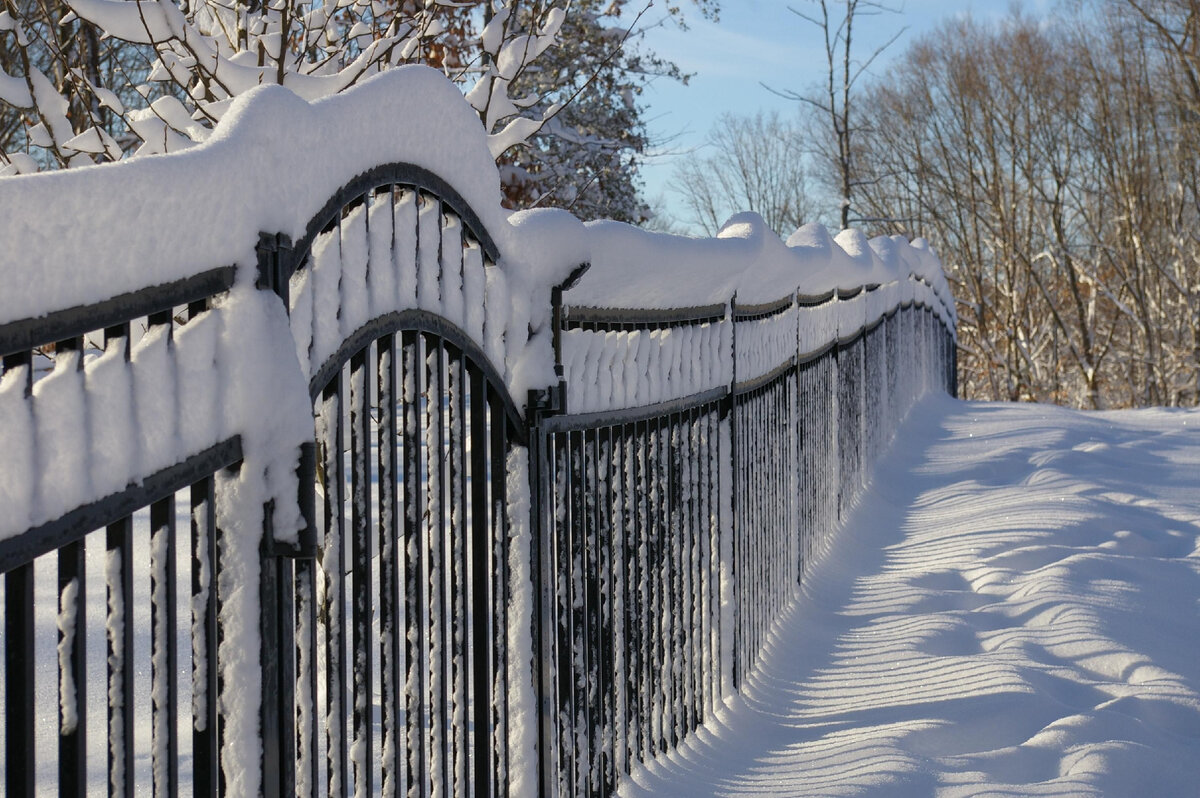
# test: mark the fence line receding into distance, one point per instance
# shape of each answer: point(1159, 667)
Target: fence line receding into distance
point(413, 499)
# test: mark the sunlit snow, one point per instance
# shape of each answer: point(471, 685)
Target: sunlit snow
point(1012, 609)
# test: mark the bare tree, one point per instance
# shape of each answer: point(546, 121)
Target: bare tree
point(836, 116)
point(1050, 161)
point(756, 164)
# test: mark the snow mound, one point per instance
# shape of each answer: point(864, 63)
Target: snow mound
point(1009, 610)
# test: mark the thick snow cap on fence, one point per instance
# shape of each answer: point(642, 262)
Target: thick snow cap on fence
point(638, 269)
point(270, 165)
point(275, 159)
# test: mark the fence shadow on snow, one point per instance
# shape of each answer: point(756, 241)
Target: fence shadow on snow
point(407, 496)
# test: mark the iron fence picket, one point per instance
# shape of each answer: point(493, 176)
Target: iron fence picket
point(72, 739)
point(457, 625)
point(392, 615)
point(483, 567)
point(362, 609)
point(165, 688)
point(415, 645)
point(19, 689)
point(501, 591)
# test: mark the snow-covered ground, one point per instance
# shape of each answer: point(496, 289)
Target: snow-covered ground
point(1012, 609)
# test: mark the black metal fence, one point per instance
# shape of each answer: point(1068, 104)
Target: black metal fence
point(427, 631)
point(93, 576)
point(672, 535)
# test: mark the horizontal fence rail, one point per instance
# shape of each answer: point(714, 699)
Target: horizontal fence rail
point(406, 496)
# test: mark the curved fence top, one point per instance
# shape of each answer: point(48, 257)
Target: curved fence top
point(270, 166)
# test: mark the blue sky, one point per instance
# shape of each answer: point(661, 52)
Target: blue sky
point(756, 42)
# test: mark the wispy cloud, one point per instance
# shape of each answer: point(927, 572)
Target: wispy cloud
point(733, 49)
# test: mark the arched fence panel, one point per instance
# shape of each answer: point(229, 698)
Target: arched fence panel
point(397, 625)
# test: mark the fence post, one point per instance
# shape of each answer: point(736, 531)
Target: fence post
point(542, 403)
point(735, 599)
point(275, 264)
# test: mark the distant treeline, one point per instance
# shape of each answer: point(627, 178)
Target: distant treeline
point(1055, 165)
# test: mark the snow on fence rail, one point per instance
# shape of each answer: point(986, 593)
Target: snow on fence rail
point(407, 495)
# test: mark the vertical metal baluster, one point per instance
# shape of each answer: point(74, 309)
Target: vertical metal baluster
point(416, 638)
point(749, 584)
point(500, 673)
point(164, 690)
point(361, 574)
point(678, 523)
point(435, 542)
point(737, 501)
point(564, 662)
point(635, 606)
point(777, 463)
point(821, 445)
point(803, 433)
point(670, 581)
point(791, 530)
point(780, 551)
point(307, 728)
point(745, 584)
point(330, 435)
point(764, 442)
point(849, 424)
point(654, 656)
point(613, 689)
point(688, 619)
point(710, 440)
point(717, 532)
point(72, 592)
point(760, 524)
point(458, 572)
point(664, 664)
point(391, 632)
point(119, 578)
point(700, 572)
point(695, 569)
point(19, 681)
point(618, 525)
point(760, 582)
point(757, 585)
point(646, 583)
point(593, 565)
point(860, 421)
point(842, 427)
point(205, 761)
point(483, 587)
point(743, 539)
point(781, 557)
point(72, 741)
point(456, 641)
point(684, 621)
point(580, 720)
